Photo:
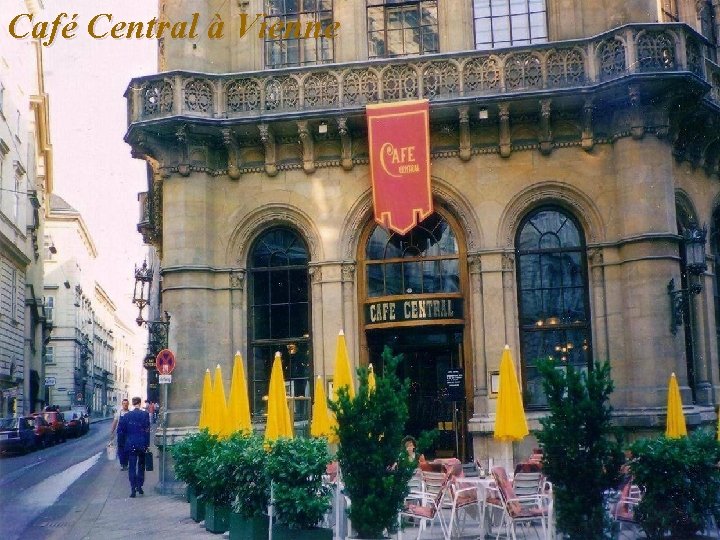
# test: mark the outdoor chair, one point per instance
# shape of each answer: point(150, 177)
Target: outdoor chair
point(430, 508)
point(528, 483)
point(624, 511)
point(527, 509)
point(464, 497)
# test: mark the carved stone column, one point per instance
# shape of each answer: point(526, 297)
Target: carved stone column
point(346, 140)
point(317, 319)
point(350, 323)
point(308, 147)
point(465, 146)
point(546, 143)
point(268, 140)
point(505, 145)
point(478, 334)
point(588, 137)
point(238, 312)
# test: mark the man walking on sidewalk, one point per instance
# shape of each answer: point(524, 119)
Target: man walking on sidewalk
point(135, 427)
point(122, 454)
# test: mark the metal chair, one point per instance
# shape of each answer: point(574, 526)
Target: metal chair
point(430, 508)
point(526, 509)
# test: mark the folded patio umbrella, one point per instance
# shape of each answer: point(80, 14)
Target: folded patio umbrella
point(675, 427)
point(510, 421)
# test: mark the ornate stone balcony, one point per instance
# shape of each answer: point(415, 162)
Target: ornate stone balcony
point(550, 69)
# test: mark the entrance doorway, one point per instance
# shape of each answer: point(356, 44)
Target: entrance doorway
point(429, 353)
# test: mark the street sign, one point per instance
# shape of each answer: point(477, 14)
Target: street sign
point(50, 381)
point(165, 379)
point(165, 362)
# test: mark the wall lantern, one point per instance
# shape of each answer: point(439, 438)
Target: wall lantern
point(693, 244)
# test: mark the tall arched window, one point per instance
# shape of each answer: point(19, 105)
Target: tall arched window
point(423, 261)
point(279, 317)
point(552, 296)
point(685, 217)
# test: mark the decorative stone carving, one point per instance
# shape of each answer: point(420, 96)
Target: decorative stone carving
point(237, 280)
point(595, 256)
point(508, 261)
point(399, 82)
point(588, 141)
point(321, 90)
point(482, 75)
point(637, 123)
point(523, 71)
point(441, 79)
point(475, 264)
point(181, 136)
point(565, 67)
point(198, 96)
point(268, 140)
point(361, 86)
point(282, 93)
point(233, 153)
point(308, 147)
point(611, 53)
point(465, 145)
point(242, 95)
point(655, 51)
point(315, 274)
point(546, 143)
point(348, 272)
point(505, 145)
point(346, 141)
point(157, 98)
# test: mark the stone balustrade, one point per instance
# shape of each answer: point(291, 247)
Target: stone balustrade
point(454, 78)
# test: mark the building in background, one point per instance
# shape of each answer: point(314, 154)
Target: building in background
point(574, 158)
point(25, 184)
point(82, 360)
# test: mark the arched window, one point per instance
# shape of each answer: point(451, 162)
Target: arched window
point(685, 218)
point(421, 262)
point(279, 317)
point(552, 296)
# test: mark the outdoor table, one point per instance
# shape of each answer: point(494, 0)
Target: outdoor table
point(482, 485)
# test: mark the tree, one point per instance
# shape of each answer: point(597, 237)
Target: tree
point(582, 450)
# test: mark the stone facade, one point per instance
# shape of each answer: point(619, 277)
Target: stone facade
point(613, 122)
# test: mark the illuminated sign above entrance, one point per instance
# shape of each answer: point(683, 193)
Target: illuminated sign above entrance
point(414, 310)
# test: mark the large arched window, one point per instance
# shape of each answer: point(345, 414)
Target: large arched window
point(423, 261)
point(552, 296)
point(279, 317)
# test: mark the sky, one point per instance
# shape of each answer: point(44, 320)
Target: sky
point(94, 172)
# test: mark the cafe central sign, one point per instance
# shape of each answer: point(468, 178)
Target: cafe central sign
point(421, 310)
point(399, 148)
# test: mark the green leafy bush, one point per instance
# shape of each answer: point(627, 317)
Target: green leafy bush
point(375, 466)
point(680, 481)
point(295, 467)
point(250, 482)
point(582, 451)
point(187, 453)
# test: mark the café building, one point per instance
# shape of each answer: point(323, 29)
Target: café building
point(442, 177)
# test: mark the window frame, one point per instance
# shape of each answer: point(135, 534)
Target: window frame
point(510, 42)
point(285, 345)
point(585, 326)
point(388, 7)
point(300, 17)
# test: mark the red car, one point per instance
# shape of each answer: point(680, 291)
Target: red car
point(44, 435)
point(56, 420)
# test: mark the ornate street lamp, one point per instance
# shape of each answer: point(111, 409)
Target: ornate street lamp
point(693, 243)
point(143, 285)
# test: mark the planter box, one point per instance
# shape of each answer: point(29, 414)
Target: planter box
point(280, 532)
point(248, 529)
point(190, 492)
point(217, 518)
point(197, 508)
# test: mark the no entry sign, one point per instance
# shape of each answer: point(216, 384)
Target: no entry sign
point(165, 362)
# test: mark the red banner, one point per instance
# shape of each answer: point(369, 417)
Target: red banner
point(399, 140)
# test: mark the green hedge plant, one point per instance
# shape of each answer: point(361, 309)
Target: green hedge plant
point(250, 482)
point(582, 451)
point(374, 464)
point(296, 467)
point(680, 481)
point(187, 453)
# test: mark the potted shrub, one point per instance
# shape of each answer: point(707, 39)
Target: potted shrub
point(680, 482)
point(214, 471)
point(250, 488)
point(186, 455)
point(375, 465)
point(300, 500)
point(582, 450)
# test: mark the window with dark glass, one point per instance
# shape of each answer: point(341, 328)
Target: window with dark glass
point(279, 318)
point(397, 28)
point(552, 296)
point(421, 262)
point(293, 44)
point(707, 21)
point(506, 23)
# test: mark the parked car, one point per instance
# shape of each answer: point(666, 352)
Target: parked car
point(82, 413)
point(73, 424)
point(16, 435)
point(44, 436)
point(57, 423)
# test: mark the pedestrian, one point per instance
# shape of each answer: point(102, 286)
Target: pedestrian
point(122, 454)
point(150, 408)
point(135, 425)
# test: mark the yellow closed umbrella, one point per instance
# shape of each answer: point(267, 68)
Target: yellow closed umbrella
point(239, 406)
point(205, 402)
point(371, 378)
point(343, 375)
point(278, 418)
point(219, 423)
point(510, 421)
point(321, 424)
point(675, 427)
